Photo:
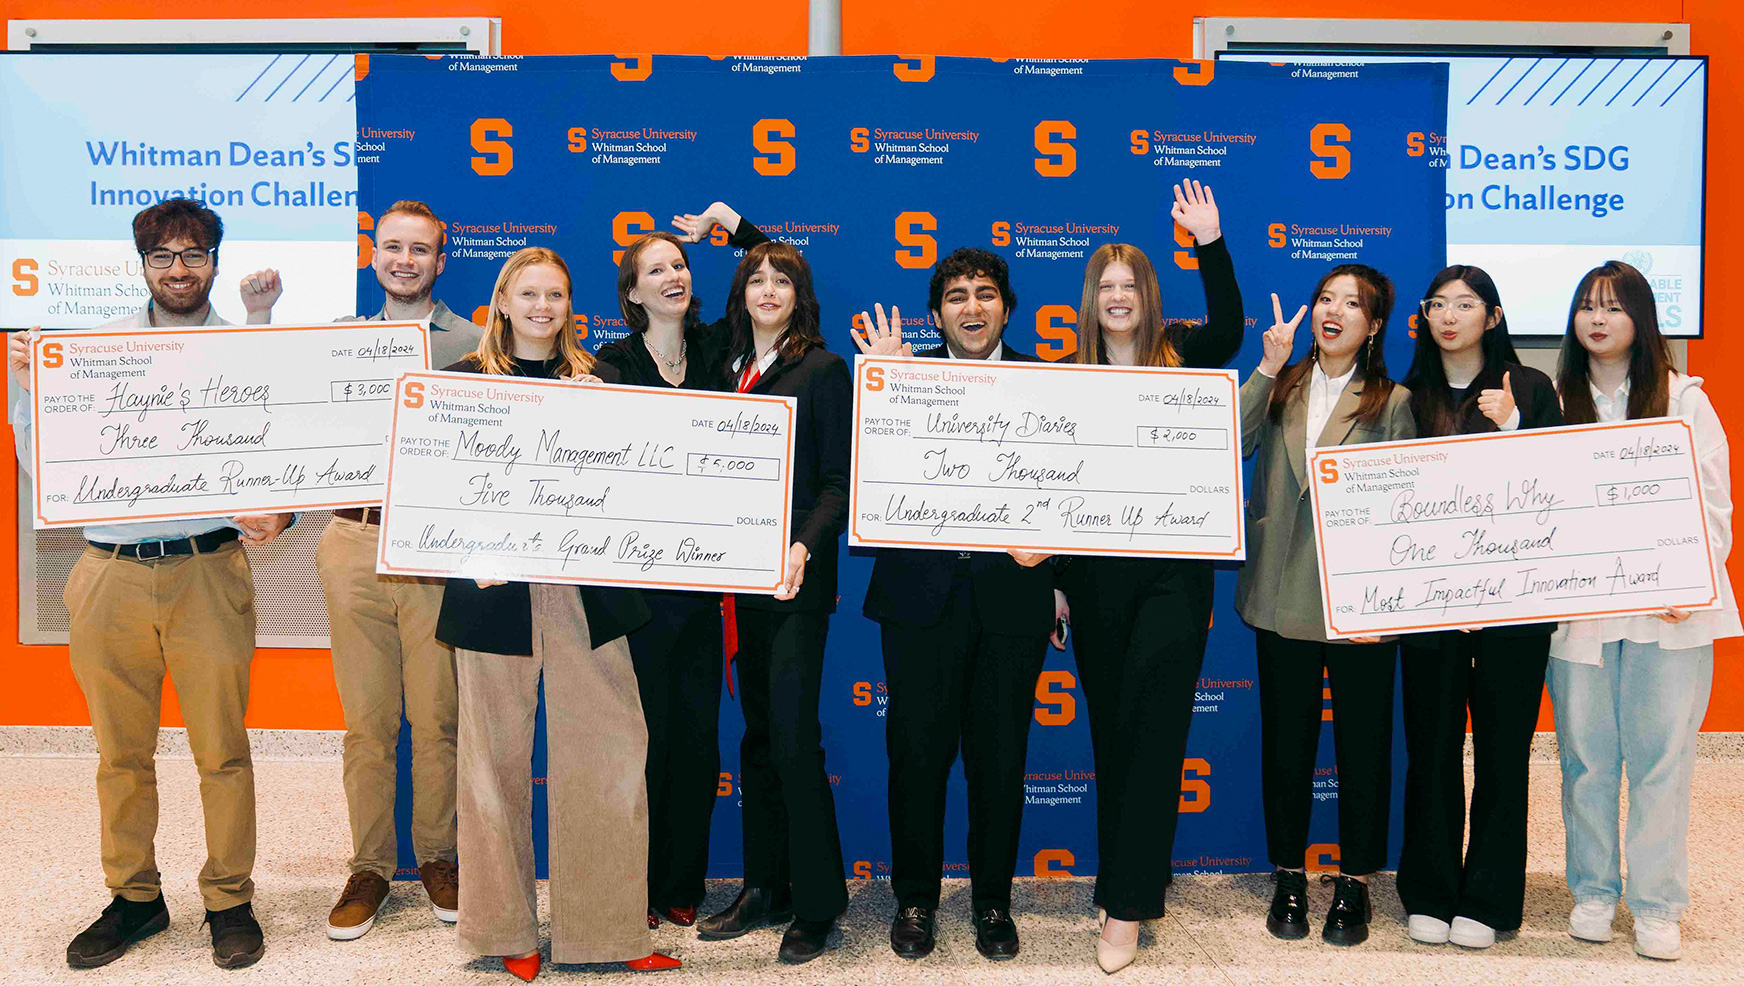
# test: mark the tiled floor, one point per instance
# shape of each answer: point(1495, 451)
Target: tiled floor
point(1214, 933)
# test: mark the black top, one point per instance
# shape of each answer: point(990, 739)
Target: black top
point(499, 620)
point(1535, 396)
point(910, 586)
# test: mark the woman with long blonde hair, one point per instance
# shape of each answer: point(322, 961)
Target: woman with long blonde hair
point(1142, 622)
point(508, 639)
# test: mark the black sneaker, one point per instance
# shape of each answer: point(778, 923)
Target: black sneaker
point(236, 937)
point(1347, 921)
point(1288, 916)
point(123, 923)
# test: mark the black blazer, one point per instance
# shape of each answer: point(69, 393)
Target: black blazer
point(909, 586)
point(499, 620)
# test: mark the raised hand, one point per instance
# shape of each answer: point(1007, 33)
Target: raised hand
point(18, 353)
point(1498, 405)
point(693, 228)
point(1196, 211)
point(1280, 339)
point(881, 338)
point(260, 292)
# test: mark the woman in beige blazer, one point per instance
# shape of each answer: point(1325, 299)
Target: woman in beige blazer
point(1340, 395)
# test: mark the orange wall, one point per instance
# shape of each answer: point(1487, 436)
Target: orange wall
point(294, 689)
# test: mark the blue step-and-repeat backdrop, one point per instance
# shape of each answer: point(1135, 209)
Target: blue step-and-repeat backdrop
point(877, 166)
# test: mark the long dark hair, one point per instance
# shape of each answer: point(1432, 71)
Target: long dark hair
point(1650, 362)
point(1375, 296)
point(1431, 396)
point(630, 268)
point(803, 328)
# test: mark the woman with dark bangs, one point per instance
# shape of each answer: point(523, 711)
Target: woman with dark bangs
point(793, 851)
point(1466, 379)
point(1633, 689)
point(1339, 395)
point(1142, 622)
point(678, 653)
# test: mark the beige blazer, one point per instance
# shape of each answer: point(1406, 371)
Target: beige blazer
point(1278, 588)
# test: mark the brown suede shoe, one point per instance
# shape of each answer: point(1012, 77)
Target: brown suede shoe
point(358, 903)
point(442, 882)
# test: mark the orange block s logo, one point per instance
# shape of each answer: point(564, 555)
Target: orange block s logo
point(1332, 158)
point(781, 156)
point(859, 140)
point(1414, 143)
point(874, 382)
point(724, 786)
point(1329, 470)
point(633, 68)
point(863, 689)
point(862, 869)
point(365, 245)
point(1064, 705)
point(1184, 258)
point(1195, 73)
point(1046, 860)
point(1141, 140)
point(51, 355)
point(1052, 141)
point(1001, 233)
point(484, 132)
point(1195, 790)
point(1057, 326)
point(1275, 235)
point(24, 279)
point(913, 68)
point(627, 228)
point(577, 139)
point(922, 250)
point(1322, 856)
point(414, 394)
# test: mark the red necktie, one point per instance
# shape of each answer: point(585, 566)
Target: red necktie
point(748, 378)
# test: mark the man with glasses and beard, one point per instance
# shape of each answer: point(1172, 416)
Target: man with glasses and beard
point(176, 597)
point(384, 634)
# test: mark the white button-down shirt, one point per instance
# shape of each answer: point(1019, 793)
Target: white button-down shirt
point(1323, 393)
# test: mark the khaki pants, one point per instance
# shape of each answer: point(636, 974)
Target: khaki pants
point(385, 647)
point(596, 792)
point(192, 616)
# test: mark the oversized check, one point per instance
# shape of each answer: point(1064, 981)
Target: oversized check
point(1568, 523)
point(212, 421)
point(1053, 457)
point(523, 480)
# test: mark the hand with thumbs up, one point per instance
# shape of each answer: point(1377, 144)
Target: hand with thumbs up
point(1498, 405)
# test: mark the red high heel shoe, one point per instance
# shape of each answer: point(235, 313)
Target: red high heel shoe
point(524, 968)
point(653, 962)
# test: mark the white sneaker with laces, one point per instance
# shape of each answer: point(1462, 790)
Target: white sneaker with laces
point(1657, 938)
point(1471, 934)
point(1592, 920)
point(1428, 930)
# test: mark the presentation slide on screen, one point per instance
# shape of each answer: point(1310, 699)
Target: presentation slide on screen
point(1556, 165)
point(86, 141)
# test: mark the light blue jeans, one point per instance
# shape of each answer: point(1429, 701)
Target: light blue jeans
point(1643, 708)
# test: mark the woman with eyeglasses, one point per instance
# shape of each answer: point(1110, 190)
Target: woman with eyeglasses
point(1466, 379)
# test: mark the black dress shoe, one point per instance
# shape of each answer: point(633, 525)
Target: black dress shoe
point(236, 937)
point(1288, 917)
point(1347, 922)
point(995, 933)
point(804, 940)
point(913, 934)
point(752, 909)
point(123, 922)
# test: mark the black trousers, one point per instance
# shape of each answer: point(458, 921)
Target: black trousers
point(678, 672)
point(1140, 626)
point(1291, 706)
point(1501, 680)
point(789, 808)
point(954, 684)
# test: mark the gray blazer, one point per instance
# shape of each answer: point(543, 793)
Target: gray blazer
point(1278, 588)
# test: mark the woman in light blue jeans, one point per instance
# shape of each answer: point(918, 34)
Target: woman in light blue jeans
point(1633, 690)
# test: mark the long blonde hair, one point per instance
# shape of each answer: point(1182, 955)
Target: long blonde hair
point(1151, 345)
point(495, 349)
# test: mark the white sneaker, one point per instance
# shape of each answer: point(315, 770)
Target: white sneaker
point(1471, 934)
point(1428, 930)
point(1657, 938)
point(1592, 920)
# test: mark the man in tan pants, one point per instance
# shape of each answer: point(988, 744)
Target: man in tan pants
point(384, 635)
point(176, 597)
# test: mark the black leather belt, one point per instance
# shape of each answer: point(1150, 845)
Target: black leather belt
point(152, 550)
point(362, 515)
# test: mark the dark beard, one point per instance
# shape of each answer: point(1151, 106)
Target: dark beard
point(198, 303)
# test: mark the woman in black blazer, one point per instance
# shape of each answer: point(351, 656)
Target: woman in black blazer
point(793, 852)
point(678, 652)
point(1142, 622)
point(511, 639)
point(1465, 378)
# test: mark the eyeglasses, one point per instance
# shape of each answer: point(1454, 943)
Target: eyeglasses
point(1435, 306)
point(191, 257)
